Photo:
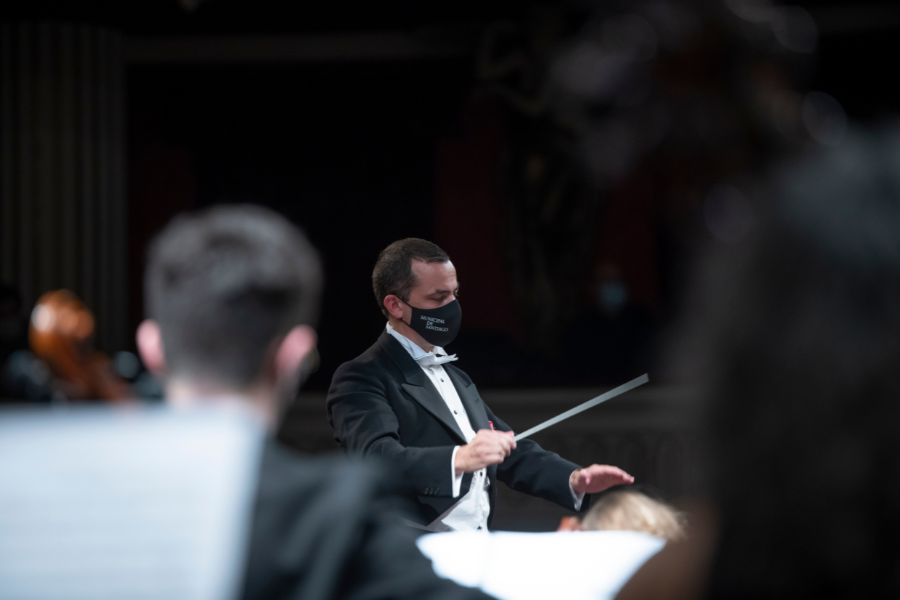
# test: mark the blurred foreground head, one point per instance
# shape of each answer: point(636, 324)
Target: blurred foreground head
point(232, 294)
point(629, 510)
point(795, 338)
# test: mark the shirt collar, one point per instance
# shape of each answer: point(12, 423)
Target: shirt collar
point(414, 350)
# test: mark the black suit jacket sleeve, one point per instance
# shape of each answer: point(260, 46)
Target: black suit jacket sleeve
point(366, 424)
point(536, 471)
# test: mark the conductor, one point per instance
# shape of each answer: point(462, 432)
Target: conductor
point(404, 401)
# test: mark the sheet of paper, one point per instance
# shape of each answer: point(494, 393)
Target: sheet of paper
point(583, 565)
point(125, 503)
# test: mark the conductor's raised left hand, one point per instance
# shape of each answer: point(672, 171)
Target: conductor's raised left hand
point(597, 478)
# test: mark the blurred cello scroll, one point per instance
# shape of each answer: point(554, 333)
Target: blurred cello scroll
point(61, 333)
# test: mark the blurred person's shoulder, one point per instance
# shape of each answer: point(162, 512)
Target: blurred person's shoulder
point(286, 471)
point(312, 520)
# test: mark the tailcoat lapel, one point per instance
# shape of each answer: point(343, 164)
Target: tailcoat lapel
point(470, 399)
point(418, 386)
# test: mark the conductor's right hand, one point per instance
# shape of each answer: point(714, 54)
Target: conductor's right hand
point(486, 448)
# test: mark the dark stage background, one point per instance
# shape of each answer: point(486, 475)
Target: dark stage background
point(346, 151)
point(361, 152)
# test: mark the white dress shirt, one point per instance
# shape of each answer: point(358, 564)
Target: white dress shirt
point(472, 510)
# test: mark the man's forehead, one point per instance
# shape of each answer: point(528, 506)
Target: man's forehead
point(434, 276)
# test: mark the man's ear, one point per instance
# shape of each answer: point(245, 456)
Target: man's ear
point(295, 347)
point(569, 524)
point(150, 347)
point(394, 306)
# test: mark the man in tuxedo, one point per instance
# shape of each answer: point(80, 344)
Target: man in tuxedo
point(403, 401)
point(232, 294)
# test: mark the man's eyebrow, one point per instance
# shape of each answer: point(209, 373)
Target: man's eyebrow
point(437, 291)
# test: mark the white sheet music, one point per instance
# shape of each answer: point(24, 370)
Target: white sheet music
point(125, 503)
point(583, 565)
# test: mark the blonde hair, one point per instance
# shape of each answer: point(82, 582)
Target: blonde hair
point(633, 511)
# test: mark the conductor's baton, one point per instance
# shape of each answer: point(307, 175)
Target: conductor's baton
point(589, 404)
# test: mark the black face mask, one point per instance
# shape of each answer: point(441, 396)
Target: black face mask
point(438, 326)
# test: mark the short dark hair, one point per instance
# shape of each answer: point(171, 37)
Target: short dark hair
point(223, 284)
point(393, 272)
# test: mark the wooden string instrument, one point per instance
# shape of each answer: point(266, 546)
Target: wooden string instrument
point(61, 333)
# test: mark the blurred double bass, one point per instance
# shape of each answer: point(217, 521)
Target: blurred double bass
point(61, 334)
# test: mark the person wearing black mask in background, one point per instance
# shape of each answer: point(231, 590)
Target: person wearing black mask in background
point(232, 295)
point(403, 401)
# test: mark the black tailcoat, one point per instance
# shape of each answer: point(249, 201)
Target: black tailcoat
point(382, 404)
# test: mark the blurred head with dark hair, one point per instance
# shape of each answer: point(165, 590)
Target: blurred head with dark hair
point(795, 339)
point(232, 294)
